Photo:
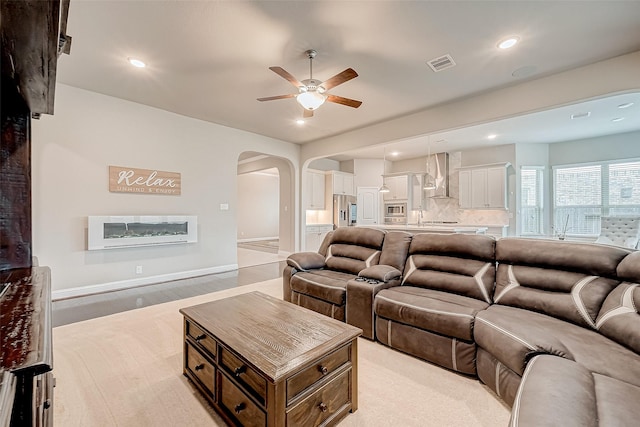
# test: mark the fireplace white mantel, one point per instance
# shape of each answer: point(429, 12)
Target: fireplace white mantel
point(113, 232)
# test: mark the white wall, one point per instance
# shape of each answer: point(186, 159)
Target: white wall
point(71, 152)
point(611, 147)
point(258, 205)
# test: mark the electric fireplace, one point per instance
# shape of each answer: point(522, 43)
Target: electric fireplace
point(110, 232)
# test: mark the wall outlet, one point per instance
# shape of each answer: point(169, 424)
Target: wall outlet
point(138, 269)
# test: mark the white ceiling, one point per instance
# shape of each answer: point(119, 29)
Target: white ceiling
point(209, 60)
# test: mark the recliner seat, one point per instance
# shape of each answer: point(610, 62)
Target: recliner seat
point(448, 279)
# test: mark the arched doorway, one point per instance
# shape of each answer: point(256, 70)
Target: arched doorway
point(265, 214)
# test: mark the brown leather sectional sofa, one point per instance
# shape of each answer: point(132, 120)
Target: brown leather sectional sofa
point(552, 327)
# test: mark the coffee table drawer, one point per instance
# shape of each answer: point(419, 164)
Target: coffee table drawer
point(199, 336)
point(318, 407)
point(236, 367)
point(325, 366)
point(240, 405)
point(200, 367)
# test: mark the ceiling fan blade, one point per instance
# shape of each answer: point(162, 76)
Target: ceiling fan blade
point(344, 101)
point(307, 113)
point(285, 75)
point(272, 98)
point(339, 78)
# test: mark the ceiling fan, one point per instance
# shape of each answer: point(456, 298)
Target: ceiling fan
point(312, 93)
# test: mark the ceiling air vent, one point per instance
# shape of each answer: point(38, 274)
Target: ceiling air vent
point(441, 63)
point(580, 115)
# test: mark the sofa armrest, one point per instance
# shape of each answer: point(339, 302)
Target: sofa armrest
point(304, 261)
point(361, 293)
point(555, 391)
point(381, 273)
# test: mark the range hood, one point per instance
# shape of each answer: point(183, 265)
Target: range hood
point(438, 167)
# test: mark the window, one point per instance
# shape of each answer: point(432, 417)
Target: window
point(584, 193)
point(531, 218)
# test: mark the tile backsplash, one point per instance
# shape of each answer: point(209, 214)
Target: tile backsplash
point(448, 209)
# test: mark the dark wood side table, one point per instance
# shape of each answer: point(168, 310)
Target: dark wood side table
point(261, 361)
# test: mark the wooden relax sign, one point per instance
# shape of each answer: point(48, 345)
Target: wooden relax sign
point(143, 181)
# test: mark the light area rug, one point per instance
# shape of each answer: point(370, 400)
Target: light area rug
point(126, 370)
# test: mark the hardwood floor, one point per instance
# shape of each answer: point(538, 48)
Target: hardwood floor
point(83, 308)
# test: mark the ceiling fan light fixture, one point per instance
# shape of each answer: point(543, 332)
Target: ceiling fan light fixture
point(310, 100)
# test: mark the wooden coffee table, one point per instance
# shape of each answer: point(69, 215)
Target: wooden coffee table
point(261, 361)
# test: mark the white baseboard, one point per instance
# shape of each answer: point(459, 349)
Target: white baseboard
point(257, 239)
point(132, 283)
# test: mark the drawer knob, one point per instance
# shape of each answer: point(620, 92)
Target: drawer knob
point(240, 370)
point(323, 407)
point(200, 337)
point(323, 370)
point(200, 366)
point(239, 407)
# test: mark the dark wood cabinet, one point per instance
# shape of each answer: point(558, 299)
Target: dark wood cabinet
point(33, 35)
point(26, 353)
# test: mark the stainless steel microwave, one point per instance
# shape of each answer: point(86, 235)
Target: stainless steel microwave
point(395, 209)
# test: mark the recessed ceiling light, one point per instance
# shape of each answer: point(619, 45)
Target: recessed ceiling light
point(617, 119)
point(136, 63)
point(300, 121)
point(492, 136)
point(394, 153)
point(509, 42)
point(625, 105)
point(580, 115)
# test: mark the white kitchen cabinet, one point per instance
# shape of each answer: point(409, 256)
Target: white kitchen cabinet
point(464, 189)
point(398, 187)
point(483, 187)
point(343, 183)
point(314, 235)
point(315, 190)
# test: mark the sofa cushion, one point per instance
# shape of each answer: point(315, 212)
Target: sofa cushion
point(617, 402)
point(354, 248)
point(456, 263)
point(565, 280)
point(629, 267)
point(326, 285)
point(514, 336)
point(441, 312)
point(619, 318)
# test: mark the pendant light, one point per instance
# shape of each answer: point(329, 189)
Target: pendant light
point(384, 188)
point(429, 182)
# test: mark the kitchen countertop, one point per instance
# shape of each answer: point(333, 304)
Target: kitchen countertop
point(435, 228)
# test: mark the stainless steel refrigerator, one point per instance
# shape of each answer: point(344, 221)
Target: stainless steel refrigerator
point(345, 210)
